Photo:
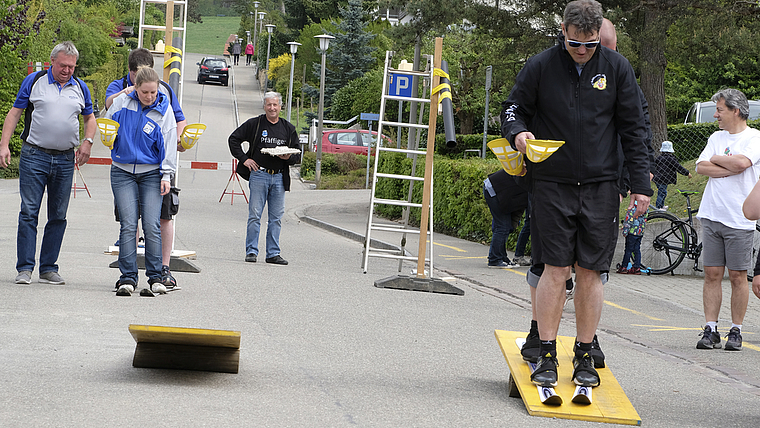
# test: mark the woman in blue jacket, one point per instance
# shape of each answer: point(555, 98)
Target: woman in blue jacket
point(144, 156)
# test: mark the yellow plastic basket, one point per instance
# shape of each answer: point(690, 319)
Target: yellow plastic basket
point(108, 129)
point(510, 159)
point(540, 150)
point(191, 134)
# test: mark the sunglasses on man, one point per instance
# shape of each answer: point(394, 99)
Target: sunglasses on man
point(587, 45)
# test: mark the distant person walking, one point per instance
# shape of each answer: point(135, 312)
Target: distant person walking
point(53, 99)
point(666, 167)
point(248, 53)
point(236, 51)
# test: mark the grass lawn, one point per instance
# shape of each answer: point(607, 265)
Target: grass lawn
point(209, 38)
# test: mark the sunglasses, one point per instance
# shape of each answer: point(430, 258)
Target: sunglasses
point(587, 45)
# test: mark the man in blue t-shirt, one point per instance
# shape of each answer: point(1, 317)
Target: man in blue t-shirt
point(139, 58)
point(52, 101)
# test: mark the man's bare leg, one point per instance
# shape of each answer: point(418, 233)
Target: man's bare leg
point(167, 240)
point(550, 299)
point(739, 295)
point(589, 298)
point(712, 292)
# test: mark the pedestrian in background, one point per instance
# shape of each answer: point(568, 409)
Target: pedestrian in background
point(505, 199)
point(248, 53)
point(53, 99)
point(633, 230)
point(268, 176)
point(666, 167)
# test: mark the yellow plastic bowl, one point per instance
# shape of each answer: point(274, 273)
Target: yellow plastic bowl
point(511, 160)
point(191, 134)
point(540, 150)
point(108, 129)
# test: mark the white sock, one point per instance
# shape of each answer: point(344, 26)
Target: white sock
point(713, 325)
point(739, 326)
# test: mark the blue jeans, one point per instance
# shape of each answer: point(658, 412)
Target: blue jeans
point(522, 238)
point(38, 170)
point(501, 226)
point(662, 192)
point(136, 196)
point(632, 249)
point(266, 189)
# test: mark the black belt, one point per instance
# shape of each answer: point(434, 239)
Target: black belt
point(271, 171)
point(49, 151)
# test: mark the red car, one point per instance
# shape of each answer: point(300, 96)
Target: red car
point(349, 140)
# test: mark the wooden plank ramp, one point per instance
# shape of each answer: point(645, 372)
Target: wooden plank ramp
point(610, 404)
point(184, 348)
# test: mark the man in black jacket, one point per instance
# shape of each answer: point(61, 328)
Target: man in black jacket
point(268, 176)
point(585, 95)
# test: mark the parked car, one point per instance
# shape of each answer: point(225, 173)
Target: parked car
point(703, 112)
point(213, 70)
point(348, 141)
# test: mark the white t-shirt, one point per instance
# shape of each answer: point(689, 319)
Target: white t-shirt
point(723, 197)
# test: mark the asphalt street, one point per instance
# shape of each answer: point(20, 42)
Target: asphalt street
point(321, 345)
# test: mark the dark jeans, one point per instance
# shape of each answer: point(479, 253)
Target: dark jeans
point(632, 248)
point(662, 192)
point(501, 226)
point(39, 171)
point(522, 238)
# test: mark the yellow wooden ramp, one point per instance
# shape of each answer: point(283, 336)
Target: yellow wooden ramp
point(186, 348)
point(610, 404)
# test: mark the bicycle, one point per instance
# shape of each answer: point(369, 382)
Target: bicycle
point(676, 239)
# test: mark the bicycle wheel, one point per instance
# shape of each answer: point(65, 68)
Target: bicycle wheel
point(668, 244)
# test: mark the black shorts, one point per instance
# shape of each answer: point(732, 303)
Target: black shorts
point(169, 204)
point(575, 223)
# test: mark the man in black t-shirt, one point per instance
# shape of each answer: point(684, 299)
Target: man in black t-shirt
point(269, 177)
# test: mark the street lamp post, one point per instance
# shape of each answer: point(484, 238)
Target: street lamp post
point(324, 43)
point(293, 49)
point(258, 56)
point(254, 15)
point(270, 29)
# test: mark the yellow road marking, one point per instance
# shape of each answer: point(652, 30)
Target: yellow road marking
point(632, 311)
point(666, 327)
point(449, 247)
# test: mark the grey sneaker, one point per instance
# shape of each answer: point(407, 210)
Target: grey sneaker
point(522, 261)
point(710, 339)
point(51, 277)
point(24, 277)
point(734, 340)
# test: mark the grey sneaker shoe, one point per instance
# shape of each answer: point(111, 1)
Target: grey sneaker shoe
point(710, 339)
point(24, 277)
point(51, 277)
point(522, 261)
point(734, 340)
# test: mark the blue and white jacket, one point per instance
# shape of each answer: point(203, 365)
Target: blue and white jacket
point(147, 136)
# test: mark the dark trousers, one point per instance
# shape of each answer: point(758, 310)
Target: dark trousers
point(501, 227)
point(632, 249)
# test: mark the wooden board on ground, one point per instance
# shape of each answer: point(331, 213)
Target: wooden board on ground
point(610, 403)
point(114, 251)
point(186, 348)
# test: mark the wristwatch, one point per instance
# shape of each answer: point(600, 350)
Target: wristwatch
point(88, 139)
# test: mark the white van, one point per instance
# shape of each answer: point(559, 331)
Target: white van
point(703, 112)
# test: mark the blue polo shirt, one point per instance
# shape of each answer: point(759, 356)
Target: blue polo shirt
point(118, 85)
point(51, 119)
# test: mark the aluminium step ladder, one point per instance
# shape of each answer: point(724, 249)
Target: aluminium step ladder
point(413, 152)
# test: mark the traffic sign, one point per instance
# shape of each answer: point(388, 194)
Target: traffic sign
point(370, 116)
point(400, 86)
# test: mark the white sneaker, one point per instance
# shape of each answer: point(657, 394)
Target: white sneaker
point(125, 290)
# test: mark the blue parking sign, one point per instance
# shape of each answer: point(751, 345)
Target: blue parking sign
point(400, 85)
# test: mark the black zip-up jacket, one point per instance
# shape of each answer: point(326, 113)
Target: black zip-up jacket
point(588, 112)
